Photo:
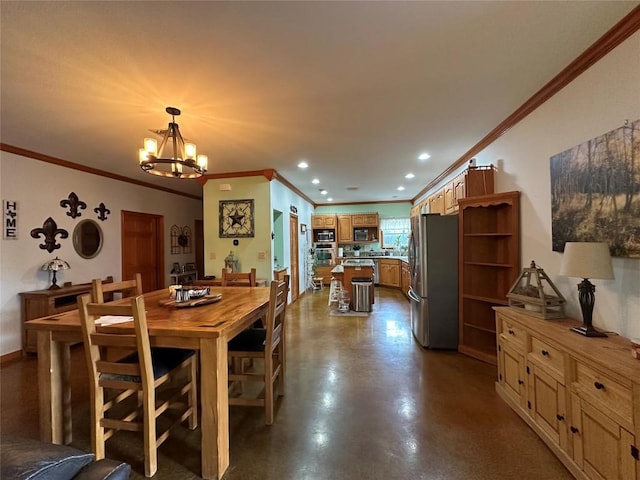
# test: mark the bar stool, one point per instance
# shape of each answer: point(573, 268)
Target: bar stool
point(318, 282)
point(335, 290)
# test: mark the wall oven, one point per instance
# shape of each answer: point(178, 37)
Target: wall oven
point(324, 253)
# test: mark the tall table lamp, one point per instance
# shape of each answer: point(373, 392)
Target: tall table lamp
point(587, 260)
point(53, 266)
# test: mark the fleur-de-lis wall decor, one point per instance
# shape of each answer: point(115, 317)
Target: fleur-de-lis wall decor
point(102, 212)
point(49, 230)
point(73, 202)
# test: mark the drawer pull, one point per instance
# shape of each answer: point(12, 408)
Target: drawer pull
point(544, 353)
point(560, 417)
point(520, 382)
point(598, 385)
point(511, 332)
point(574, 429)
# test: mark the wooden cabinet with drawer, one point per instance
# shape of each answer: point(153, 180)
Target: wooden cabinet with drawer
point(43, 303)
point(389, 272)
point(581, 395)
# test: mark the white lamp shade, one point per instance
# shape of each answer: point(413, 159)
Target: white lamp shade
point(587, 260)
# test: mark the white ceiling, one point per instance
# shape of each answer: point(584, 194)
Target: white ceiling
point(358, 89)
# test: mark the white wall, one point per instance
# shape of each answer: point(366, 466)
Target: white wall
point(598, 101)
point(38, 188)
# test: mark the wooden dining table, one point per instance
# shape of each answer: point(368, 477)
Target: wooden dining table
point(206, 328)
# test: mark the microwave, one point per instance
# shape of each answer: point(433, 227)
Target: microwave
point(325, 236)
point(361, 235)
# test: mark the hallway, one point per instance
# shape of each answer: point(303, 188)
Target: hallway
point(363, 401)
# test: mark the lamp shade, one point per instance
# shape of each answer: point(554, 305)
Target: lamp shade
point(587, 260)
point(55, 265)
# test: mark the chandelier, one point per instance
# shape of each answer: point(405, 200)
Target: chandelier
point(179, 161)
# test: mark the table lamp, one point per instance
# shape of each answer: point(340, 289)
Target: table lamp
point(53, 266)
point(587, 260)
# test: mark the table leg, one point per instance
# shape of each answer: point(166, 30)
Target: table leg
point(214, 405)
point(54, 389)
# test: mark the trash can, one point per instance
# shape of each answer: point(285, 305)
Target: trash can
point(361, 294)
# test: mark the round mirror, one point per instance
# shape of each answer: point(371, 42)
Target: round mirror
point(87, 238)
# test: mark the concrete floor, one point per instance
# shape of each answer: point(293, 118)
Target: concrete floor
point(363, 401)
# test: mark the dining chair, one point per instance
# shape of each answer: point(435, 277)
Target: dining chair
point(238, 279)
point(137, 385)
point(267, 344)
point(101, 290)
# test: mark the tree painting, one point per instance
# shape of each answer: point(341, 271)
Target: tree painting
point(595, 192)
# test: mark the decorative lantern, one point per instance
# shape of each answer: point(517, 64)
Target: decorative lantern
point(535, 294)
point(231, 263)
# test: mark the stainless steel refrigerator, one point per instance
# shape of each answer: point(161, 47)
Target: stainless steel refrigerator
point(433, 264)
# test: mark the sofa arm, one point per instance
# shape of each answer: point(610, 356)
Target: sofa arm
point(105, 470)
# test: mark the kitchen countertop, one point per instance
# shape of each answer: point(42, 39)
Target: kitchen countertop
point(376, 257)
point(358, 262)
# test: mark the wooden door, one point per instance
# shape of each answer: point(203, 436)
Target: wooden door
point(198, 244)
point(294, 280)
point(143, 249)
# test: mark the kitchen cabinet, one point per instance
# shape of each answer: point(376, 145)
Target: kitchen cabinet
point(582, 397)
point(389, 272)
point(345, 229)
point(488, 265)
point(436, 202)
point(323, 221)
point(324, 272)
point(473, 182)
point(405, 278)
point(365, 220)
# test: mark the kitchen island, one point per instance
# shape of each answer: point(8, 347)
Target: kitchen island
point(355, 268)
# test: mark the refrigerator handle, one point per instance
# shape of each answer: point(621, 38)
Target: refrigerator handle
point(413, 296)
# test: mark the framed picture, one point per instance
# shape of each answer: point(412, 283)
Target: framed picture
point(190, 267)
point(303, 228)
point(236, 218)
point(175, 268)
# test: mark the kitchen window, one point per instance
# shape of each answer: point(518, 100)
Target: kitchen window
point(395, 232)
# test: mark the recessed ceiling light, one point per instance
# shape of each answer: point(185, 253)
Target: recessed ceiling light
point(303, 165)
point(424, 156)
point(400, 188)
point(323, 192)
point(409, 176)
point(315, 181)
point(329, 199)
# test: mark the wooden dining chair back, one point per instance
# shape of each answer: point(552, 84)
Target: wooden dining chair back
point(136, 384)
point(102, 291)
point(238, 279)
point(267, 344)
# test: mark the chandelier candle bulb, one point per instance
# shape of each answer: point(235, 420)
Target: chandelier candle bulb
point(190, 150)
point(151, 146)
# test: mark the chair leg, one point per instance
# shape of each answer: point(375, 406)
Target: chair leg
point(97, 431)
point(268, 388)
point(150, 447)
point(193, 393)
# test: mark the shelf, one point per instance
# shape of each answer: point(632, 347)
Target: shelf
point(489, 234)
point(489, 264)
point(477, 327)
point(494, 301)
point(492, 265)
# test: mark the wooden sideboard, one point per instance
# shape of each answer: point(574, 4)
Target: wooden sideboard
point(580, 395)
point(42, 303)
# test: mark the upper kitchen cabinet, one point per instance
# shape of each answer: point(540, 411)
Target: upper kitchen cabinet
point(345, 229)
point(365, 220)
point(473, 182)
point(323, 221)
